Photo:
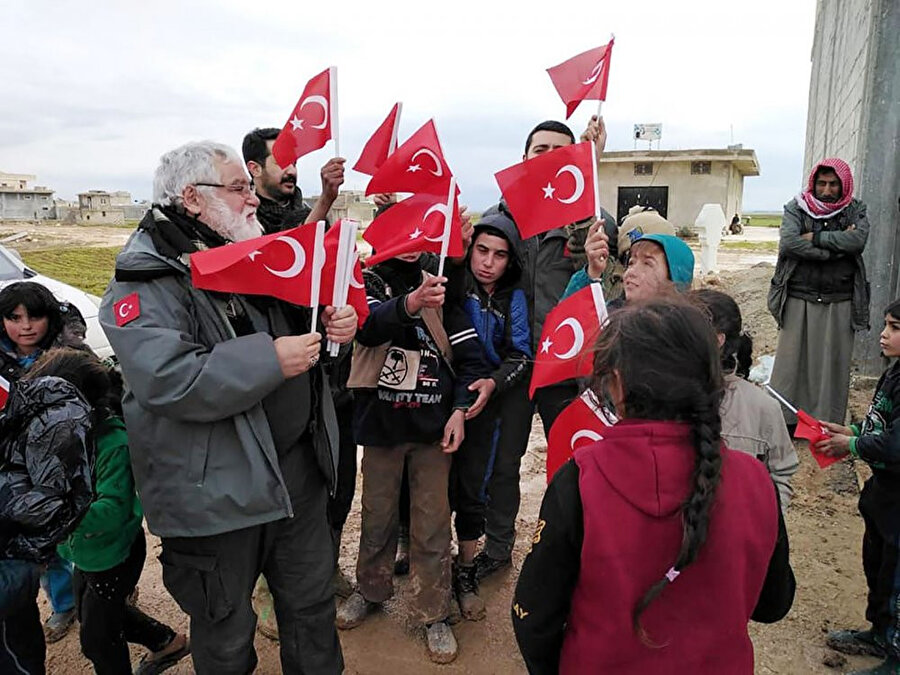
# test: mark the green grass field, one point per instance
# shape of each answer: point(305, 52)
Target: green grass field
point(89, 269)
point(761, 246)
point(764, 219)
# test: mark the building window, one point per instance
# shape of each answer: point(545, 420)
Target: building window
point(28, 197)
point(701, 168)
point(643, 168)
point(103, 214)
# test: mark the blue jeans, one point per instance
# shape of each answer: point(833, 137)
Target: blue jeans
point(57, 584)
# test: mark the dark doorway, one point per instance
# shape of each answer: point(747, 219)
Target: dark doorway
point(657, 197)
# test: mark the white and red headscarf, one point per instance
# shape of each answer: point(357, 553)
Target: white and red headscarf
point(817, 208)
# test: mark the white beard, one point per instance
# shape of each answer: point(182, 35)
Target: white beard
point(233, 226)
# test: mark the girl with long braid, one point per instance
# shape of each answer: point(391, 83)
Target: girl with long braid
point(656, 545)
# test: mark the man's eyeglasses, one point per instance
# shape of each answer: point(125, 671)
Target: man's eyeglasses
point(244, 189)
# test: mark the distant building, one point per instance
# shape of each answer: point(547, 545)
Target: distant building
point(20, 202)
point(677, 183)
point(350, 204)
point(99, 207)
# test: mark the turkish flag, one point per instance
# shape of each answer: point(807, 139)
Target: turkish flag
point(582, 77)
point(356, 295)
point(383, 142)
point(567, 343)
point(4, 391)
point(309, 126)
point(808, 427)
point(278, 265)
point(414, 224)
point(127, 309)
point(416, 166)
point(580, 423)
point(551, 190)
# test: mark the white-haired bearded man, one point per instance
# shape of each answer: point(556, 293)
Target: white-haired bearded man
point(231, 428)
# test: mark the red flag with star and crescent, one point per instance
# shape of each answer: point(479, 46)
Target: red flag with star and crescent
point(567, 342)
point(278, 265)
point(4, 391)
point(356, 294)
point(309, 126)
point(381, 145)
point(583, 77)
point(411, 225)
point(582, 422)
point(552, 189)
point(416, 166)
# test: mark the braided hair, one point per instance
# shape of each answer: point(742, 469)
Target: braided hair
point(666, 358)
point(737, 350)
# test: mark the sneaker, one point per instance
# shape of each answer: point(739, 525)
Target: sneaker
point(353, 611)
point(890, 666)
point(58, 624)
point(264, 606)
point(441, 642)
point(465, 587)
point(341, 584)
point(856, 642)
point(165, 658)
point(485, 565)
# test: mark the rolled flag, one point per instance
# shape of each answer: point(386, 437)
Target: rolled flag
point(583, 77)
point(381, 145)
point(347, 283)
point(567, 342)
point(310, 124)
point(4, 391)
point(551, 190)
point(418, 165)
point(580, 423)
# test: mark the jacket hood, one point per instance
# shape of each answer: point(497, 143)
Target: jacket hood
point(649, 463)
point(139, 258)
point(679, 258)
point(500, 222)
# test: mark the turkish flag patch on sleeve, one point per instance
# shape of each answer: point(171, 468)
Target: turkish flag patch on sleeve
point(127, 309)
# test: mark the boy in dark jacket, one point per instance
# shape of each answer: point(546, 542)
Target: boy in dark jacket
point(877, 442)
point(410, 408)
point(486, 468)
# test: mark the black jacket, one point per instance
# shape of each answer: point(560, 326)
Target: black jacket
point(386, 416)
point(45, 472)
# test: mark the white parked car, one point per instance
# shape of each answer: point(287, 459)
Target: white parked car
point(13, 269)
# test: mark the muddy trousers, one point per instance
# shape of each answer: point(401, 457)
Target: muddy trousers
point(22, 650)
point(212, 579)
point(516, 411)
point(429, 551)
point(881, 564)
point(108, 623)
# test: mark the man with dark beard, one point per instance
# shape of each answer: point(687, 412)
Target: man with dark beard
point(230, 423)
point(281, 204)
point(819, 295)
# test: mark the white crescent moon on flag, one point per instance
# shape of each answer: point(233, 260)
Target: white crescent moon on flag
point(438, 169)
point(592, 436)
point(320, 101)
point(577, 331)
point(595, 73)
point(299, 259)
point(353, 281)
point(441, 208)
point(124, 309)
point(579, 183)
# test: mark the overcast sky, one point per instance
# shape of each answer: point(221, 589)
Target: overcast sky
point(93, 93)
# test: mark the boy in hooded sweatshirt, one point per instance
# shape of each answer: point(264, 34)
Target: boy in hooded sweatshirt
point(486, 468)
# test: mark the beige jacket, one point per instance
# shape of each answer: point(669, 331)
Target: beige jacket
point(752, 422)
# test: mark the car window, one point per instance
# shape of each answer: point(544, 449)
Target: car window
point(8, 269)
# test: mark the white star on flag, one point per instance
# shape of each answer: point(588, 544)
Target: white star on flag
point(253, 255)
point(413, 168)
point(297, 123)
point(545, 345)
point(415, 234)
point(548, 191)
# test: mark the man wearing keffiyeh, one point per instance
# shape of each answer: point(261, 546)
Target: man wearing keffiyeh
point(819, 294)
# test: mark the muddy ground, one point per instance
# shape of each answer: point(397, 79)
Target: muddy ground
point(825, 533)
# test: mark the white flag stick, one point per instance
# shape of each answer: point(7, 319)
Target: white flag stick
point(781, 398)
point(333, 104)
point(612, 36)
point(318, 262)
point(346, 257)
point(596, 180)
point(448, 222)
point(396, 130)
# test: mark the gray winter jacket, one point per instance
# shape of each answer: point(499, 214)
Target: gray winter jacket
point(202, 451)
point(826, 245)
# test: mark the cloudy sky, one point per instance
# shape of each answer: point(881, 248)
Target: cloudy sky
point(93, 93)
